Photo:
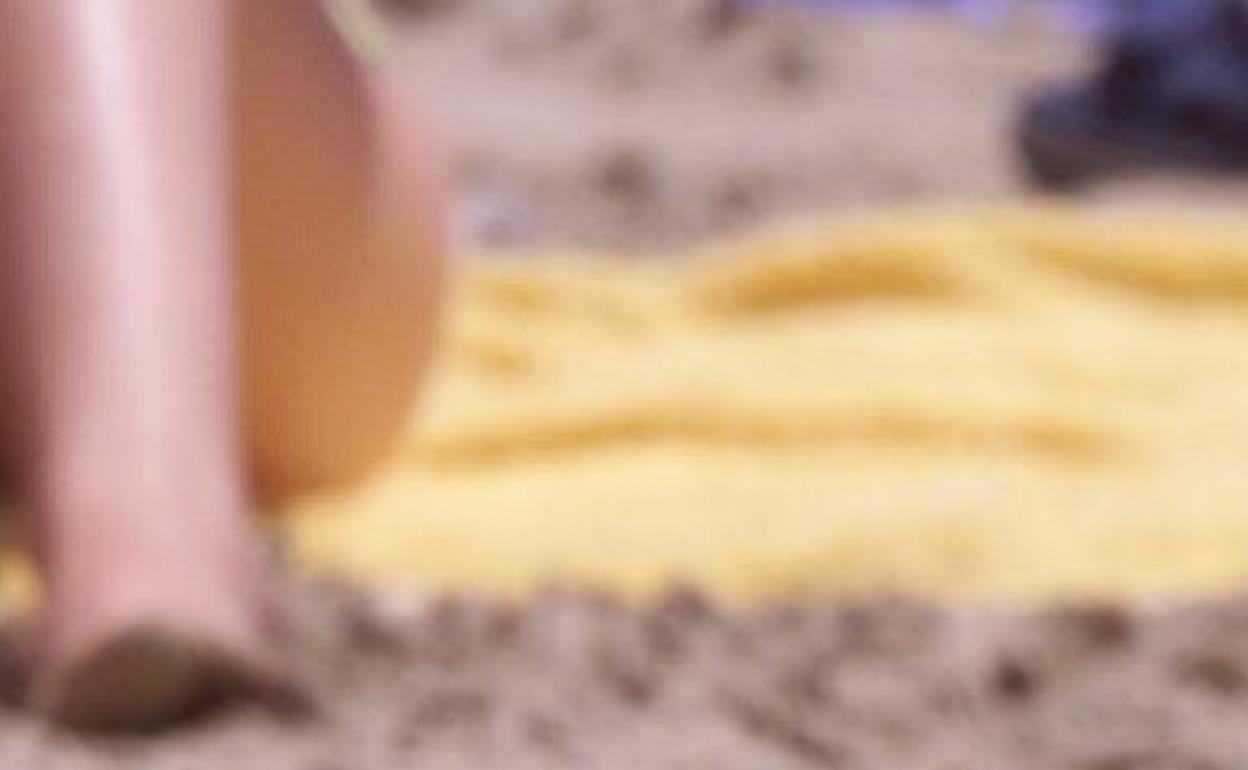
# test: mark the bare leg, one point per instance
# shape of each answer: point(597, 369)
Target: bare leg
point(340, 239)
point(125, 450)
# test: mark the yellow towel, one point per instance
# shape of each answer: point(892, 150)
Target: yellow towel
point(1001, 403)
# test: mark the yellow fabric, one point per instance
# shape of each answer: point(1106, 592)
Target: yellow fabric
point(977, 403)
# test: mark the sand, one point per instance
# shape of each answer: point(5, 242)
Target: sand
point(574, 680)
point(640, 127)
point(639, 124)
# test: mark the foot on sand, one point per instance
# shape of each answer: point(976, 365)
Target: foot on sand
point(152, 675)
point(141, 643)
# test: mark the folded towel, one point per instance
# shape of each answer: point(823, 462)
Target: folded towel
point(988, 403)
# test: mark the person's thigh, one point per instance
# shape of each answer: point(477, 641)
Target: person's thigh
point(340, 245)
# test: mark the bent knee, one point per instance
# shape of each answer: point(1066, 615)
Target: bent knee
point(340, 311)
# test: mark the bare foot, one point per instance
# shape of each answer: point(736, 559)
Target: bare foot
point(149, 676)
point(147, 624)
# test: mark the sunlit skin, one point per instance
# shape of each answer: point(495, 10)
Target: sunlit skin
point(220, 277)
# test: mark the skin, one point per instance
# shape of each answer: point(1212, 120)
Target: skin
point(220, 279)
point(340, 232)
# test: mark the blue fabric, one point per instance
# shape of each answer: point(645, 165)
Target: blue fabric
point(1081, 14)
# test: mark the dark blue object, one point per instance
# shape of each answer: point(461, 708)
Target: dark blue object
point(1080, 15)
point(1171, 90)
